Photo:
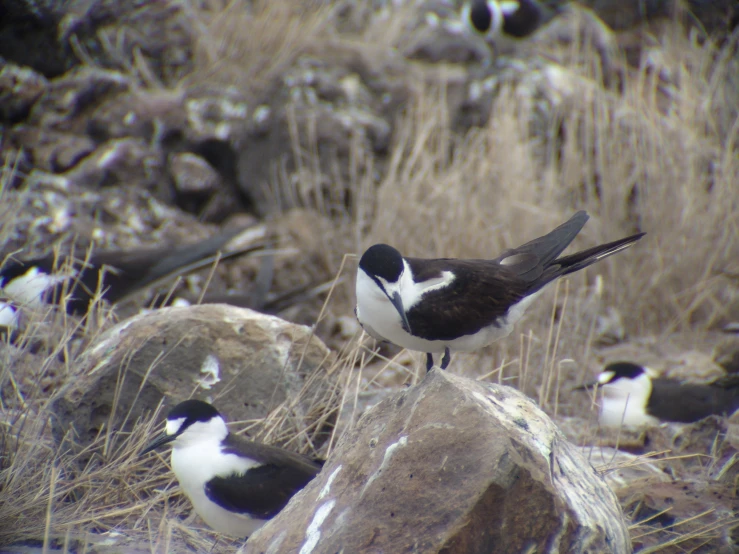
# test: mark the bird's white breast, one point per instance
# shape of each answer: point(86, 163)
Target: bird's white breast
point(8, 315)
point(615, 412)
point(27, 289)
point(194, 465)
point(625, 403)
point(375, 311)
point(381, 320)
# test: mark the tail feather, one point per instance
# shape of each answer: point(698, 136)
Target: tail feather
point(186, 259)
point(580, 260)
point(194, 256)
point(548, 247)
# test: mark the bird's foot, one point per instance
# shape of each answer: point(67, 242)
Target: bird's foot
point(429, 361)
point(446, 358)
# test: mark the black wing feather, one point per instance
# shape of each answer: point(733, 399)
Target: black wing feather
point(705, 400)
point(484, 290)
point(125, 271)
point(263, 490)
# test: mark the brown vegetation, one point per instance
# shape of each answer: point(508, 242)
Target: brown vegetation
point(659, 155)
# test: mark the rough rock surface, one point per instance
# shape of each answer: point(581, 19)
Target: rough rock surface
point(457, 466)
point(248, 363)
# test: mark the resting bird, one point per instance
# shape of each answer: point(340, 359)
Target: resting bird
point(235, 485)
point(116, 274)
point(633, 397)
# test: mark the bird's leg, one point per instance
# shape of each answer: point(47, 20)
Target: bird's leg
point(446, 359)
point(429, 361)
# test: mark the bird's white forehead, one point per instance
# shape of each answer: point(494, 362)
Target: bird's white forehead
point(652, 373)
point(509, 8)
point(605, 377)
point(29, 287)
point(173, 425)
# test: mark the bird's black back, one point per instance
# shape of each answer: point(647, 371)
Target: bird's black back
point(264, 490)
point(484, 290)
point(685, 403)
point(481, 292)
point(524, 21)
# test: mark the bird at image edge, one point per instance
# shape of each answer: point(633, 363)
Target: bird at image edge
point(634, 396)
point(508, 18)
point(115, 274)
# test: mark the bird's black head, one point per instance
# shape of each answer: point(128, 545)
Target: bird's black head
point(192, 411)
point(523, 20)
point(621, 370)
point(515, 19)
point(480, 16)
point(12, 269)
point(382, 260)
point(180, 418)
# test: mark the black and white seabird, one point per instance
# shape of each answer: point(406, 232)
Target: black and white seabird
point(9, 319)
point(512, 18)
point(117, 274)
point(439, 305)
point(633, 396)
point(235, 485)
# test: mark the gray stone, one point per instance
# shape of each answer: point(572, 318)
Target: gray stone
point(250, 363)
point(52, 150)
point(20, 87)
point(456, 466)
point(193, 175)
point(127, 161)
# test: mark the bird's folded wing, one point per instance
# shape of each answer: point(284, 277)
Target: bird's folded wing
point(261, 492)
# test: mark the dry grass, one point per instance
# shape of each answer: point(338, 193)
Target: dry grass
point(243, 45)
point(655, 158)
point(661, 156)
point(80, 496)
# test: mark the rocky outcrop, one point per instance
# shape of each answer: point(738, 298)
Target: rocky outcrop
point(457, 466)
point(252, 363)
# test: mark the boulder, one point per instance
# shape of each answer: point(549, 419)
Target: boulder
point(248, 363)
point(452, 465)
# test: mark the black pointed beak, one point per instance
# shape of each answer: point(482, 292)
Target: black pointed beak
point(398, 303)
point(156, 443)
point(586, 386)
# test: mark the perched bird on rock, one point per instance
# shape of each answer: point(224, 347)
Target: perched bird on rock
point(440, 305)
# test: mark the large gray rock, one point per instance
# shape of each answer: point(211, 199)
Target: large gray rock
point(248, 363)
point(456, 466)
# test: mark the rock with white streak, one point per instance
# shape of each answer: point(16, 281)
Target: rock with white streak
point(250, 362)
point(456, 466)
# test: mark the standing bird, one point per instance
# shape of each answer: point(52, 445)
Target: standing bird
point(633, 397)
point(512, 18)
point(570, 22)
point(116, 274)
point(235, 485)
point(439, 305)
